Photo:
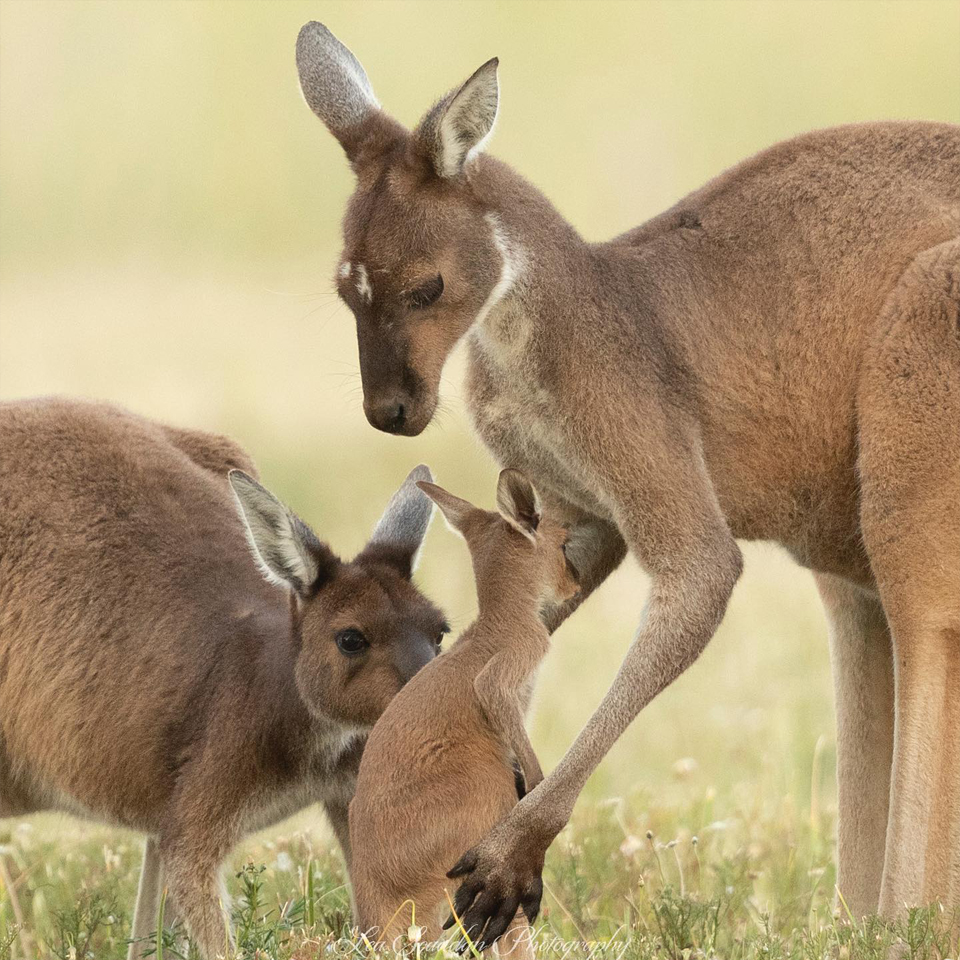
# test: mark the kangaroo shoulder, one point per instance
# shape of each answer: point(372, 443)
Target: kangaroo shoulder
point(211, 451)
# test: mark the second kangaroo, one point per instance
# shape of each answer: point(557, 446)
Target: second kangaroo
point(438, 771)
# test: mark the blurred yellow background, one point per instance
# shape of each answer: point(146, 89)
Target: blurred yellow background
point(169, 223)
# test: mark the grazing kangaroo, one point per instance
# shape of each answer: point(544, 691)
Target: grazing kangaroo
point(777, 357)
point(151, 677)
point(437, 771)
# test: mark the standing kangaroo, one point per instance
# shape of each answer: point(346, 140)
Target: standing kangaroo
point(151, 677)
point(777, 358)
point(437, 770)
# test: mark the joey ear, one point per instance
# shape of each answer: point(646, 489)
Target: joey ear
point(334, 84)
point(284, 547)
point(398, 535)
point(518, 502)
point(458, 126)
point(455, 511)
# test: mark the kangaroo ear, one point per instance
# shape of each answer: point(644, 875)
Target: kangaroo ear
point(334, 84)
point(518, 502)
point(285, 548)
point(455, 511)
point(398, 535)
point(459, 125)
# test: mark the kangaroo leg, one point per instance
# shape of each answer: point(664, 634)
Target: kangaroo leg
point(148, 902)
point(194, 881)
point(862, 661)
point(668, 513)
point(909, 407)
point(192, 851)
point(385, 920)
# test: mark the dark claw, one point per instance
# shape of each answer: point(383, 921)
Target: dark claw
point(530, 902)
point(519, 780)
point(498, 924)
point(475, 919)
point(461, 902)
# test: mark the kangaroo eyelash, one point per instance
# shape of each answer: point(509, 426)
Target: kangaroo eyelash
point(426, 294)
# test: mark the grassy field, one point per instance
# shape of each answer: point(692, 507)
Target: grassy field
point(169, 220)
point(729, 875)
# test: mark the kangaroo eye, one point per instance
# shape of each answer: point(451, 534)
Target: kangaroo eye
point(444, 630)
point(426, 294)
point(351, 642)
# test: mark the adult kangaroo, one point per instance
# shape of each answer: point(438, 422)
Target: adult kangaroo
point(152, 677)
point(777, 357)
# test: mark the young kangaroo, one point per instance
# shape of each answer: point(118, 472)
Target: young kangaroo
point(152, 677)
point(437, 772)
point(777, 357)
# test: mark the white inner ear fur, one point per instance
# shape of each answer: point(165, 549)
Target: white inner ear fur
point(531, 535)
point(273, 539)
point(344, 270)
point(513, 512)
point(461, 138)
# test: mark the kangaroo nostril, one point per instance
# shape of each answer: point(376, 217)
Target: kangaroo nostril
point(388, 415)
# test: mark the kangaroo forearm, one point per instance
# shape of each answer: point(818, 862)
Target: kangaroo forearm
point(501, 705)
point(524, 752)
point(673, 635)
point(504, 715)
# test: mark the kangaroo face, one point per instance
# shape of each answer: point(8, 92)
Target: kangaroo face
point(423, 258)
point(418, 265)
point(363, 636)
point(560, 575)
point(363, 628)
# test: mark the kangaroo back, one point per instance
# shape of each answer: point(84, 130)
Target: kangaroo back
point(113, 617)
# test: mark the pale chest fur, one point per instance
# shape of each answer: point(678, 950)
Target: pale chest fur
point(516, 414)
point(325, 778)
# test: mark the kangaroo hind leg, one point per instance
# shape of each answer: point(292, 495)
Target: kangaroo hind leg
point(862, 660)
point(909, 411)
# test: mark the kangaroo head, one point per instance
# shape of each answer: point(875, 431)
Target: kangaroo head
point(423, 257)
point(517, 542)
point(364, 629)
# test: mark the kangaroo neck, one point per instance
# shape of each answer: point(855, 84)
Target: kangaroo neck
point(544, 259)
point(508, 600)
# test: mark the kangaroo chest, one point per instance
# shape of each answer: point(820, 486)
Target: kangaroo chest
point(516, 414)
point(325, 777)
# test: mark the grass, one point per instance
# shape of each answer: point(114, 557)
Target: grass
point(738, 877)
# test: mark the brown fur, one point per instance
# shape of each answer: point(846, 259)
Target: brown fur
point(777, 358)
point(437, 772)
point(149, 676)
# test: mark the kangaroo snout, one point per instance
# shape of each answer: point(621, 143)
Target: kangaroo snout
point(399, 412)
point(413, 655)
point(388, 413)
